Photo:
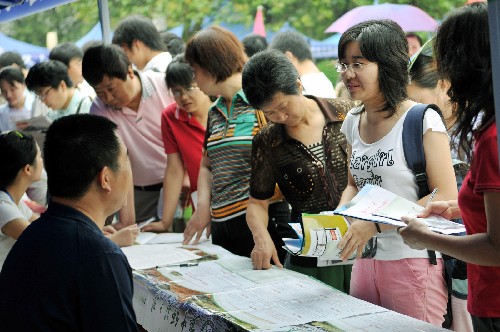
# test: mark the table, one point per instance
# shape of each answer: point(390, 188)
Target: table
point(224, 293)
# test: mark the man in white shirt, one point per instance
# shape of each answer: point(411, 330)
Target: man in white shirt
point(140, 40)
point(297, 50)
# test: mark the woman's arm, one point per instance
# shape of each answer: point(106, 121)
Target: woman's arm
point(360, 231)
point(15, 227)
point(439, 167)
point(351, 189)
point(201, 217)
point(480, 249)
point(264, 249)
point(172, 187)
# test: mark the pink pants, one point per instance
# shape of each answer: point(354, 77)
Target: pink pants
point(411, 286)
point(462, 322)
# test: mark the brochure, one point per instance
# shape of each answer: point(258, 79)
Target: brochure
point(318, 237)
point(373, 203)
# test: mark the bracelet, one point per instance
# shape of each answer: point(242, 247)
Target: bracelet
point(378, 227)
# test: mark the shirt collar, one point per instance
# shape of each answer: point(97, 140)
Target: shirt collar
point(181, 114)
point(221, 102)
point(148, 88)
point(66, 211)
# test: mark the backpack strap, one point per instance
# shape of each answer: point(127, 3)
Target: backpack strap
point(413, 148)
point(80, 104)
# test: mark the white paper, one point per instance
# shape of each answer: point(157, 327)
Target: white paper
point(158, 238)
point(271, 299)
point(376, 204)
point(150, 256)
point(41, 122)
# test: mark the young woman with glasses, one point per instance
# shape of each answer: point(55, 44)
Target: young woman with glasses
point(373, 64)
point(183, 131)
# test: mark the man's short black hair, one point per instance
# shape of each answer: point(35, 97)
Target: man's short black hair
point(10, 58)
point(100, 60)
point(293, 42)
point(66, 52)
point(76, 149)
point(12, 74)
point(254, 43)
point(137, 27)
point(49, 73)
point(175, 45)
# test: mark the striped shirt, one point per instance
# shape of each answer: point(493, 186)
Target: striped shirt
point(228, 144)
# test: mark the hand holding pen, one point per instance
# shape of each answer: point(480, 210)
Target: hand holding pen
point(429, 201)
point(431, 196)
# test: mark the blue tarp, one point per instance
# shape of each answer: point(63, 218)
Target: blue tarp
point(320, 49)
point(27, 7)
point(94, 34)
point(31, 53)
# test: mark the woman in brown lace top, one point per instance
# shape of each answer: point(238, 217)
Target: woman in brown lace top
point(301, 149)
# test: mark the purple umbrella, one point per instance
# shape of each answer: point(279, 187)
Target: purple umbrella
point(410, 18)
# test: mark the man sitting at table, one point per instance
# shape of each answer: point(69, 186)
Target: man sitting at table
point(63, 274)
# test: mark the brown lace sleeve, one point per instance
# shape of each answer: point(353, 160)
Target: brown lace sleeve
point(262, 180)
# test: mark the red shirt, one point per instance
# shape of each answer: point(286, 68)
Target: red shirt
point(183, 134)
point(484, 176)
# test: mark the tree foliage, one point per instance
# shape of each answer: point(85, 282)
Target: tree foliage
point(311, 17)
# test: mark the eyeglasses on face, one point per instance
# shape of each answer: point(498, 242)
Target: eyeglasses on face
point(356, 67)
point(43, 95)
point(178, 92)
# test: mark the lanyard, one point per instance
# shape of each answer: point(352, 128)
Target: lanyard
point(5, 190)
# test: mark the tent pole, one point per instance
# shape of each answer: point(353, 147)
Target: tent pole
point(104, 19)
point(494, 23)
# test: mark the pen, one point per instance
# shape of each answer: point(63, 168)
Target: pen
point(432, 195)
point(179, 265)
point(144, 223)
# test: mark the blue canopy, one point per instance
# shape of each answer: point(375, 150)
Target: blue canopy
point(94, 34)
point(31, 53)
point(320, 49)
point(15, 9)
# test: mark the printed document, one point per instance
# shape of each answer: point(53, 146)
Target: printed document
point(376, 204)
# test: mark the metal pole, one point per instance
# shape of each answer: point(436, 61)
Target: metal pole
point(104, 19)
point(494, 23)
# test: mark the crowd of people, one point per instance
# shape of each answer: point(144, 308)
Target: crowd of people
point(254, 135)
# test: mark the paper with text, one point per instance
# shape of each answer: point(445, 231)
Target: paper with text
point(323, 232)
point(376, 204)
point(150, 256)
